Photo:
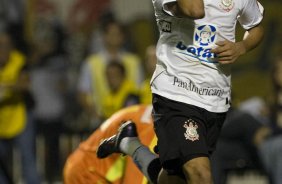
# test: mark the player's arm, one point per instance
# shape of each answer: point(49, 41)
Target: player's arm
point(228, 52)
point(250, 19)
point(187, 8)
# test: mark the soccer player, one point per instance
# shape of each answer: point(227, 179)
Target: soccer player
point(191, 83)
point(83, 166)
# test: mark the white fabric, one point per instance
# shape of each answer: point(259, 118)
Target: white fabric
point(186, 70)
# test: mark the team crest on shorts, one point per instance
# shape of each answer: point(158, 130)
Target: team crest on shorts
point(191, 130)
point(227, 5)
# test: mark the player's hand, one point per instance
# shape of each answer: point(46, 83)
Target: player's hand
point(228, 52)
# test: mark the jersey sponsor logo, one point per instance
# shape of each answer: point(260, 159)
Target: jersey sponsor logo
point(204, 39)
point(204, 35)
point(190, 86)
point(191, 130)
point(200, 53)
point(165, 26)
point(226, 5)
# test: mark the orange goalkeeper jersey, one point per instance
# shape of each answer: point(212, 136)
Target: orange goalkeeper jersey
point(83, 167)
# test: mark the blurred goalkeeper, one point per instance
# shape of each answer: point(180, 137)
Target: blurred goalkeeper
point(83, 166)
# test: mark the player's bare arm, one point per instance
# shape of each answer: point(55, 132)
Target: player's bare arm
point(229, 52)
point(187, 8)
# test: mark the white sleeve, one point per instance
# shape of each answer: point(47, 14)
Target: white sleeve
point(251, 15)
point(165, 8)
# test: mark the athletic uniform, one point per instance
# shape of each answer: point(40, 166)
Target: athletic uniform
point(83, 166)
point(191, 89)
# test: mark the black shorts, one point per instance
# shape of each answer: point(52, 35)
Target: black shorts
point(184, 131)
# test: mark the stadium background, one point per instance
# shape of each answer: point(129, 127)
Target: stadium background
point(79, 20)
point(81, 16)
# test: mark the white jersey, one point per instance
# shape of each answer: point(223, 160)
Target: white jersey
point(186, 70)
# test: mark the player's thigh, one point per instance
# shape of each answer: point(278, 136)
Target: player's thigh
point(165, 178)
point(196, 166)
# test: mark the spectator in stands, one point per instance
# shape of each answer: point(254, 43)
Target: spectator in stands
point(239, 141)
point(16, 125)
point(270, 150)
point(123, 91)
point(49, 87)
point(91, 84)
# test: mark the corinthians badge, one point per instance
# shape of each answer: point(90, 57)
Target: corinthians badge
point(227, 5)
point(191, 130)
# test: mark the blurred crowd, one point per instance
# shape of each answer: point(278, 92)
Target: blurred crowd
point(66, 66)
